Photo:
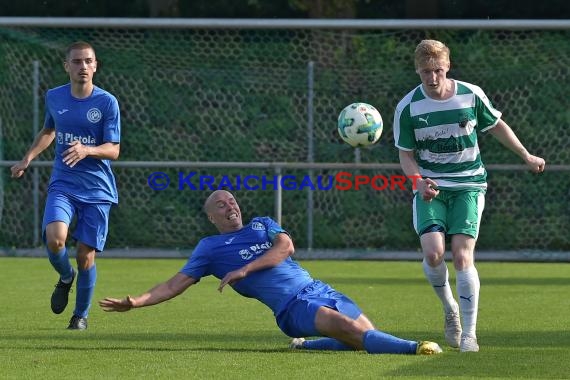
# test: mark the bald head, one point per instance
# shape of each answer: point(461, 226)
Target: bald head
point(211, 200)
point(223, 211)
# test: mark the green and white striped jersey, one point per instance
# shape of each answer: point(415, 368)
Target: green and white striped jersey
point(443, 134)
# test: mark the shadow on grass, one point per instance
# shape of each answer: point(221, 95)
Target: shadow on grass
point(528, 354)
point(514, 339)
point(95, 341)
point(148, 349)
point(485, 280)
point(526, 281)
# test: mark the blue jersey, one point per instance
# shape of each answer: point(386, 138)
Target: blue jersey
point(219, 254)
point(93, 121)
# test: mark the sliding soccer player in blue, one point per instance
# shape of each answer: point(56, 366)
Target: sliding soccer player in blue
point(255, 261)
point(84, 120)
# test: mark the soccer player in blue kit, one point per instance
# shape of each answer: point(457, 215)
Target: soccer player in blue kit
point(84, 120)
point(255, 261)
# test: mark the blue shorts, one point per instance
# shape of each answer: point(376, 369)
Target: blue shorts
point(297, 318)
point(92, 223)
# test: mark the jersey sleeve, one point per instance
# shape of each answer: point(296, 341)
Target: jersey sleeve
point(197, 264)
point(487, 115)
point(273, 228)
point(112, 127)
point(404, 137)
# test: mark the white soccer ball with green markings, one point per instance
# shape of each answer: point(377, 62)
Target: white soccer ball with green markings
point(360, 125)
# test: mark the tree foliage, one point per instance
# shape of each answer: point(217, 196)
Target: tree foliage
point(398, 9)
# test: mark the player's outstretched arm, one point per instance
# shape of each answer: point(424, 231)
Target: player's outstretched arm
point(160, 293)
point(41, 142)
point(508, 138)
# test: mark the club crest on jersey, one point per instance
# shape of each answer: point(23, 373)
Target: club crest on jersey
point(94, 115)
point(256, 226)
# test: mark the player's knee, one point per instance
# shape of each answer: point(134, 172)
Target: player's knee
point(433, 257)
point(55, 245)
point(354, 328)
point(85, 257)
point(364, 324)
point(462, 262)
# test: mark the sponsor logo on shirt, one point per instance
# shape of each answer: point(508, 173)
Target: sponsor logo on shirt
point(261, 247)
point(67, 138)
point(245, 254)
point(257, 249)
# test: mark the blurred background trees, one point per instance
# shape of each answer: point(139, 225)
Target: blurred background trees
point(383, 9)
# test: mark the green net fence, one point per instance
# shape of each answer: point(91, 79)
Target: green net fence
point(228, 95)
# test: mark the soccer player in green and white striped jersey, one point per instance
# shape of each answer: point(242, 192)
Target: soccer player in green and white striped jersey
point(435, 130)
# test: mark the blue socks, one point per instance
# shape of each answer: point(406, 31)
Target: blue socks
point(60, 262)
point(374, 342)
point(86, 280)
point(378, 342)
point(328, 344)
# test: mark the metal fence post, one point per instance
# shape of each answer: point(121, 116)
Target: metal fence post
point(311, 147)
point(36, 171)
point(278, 196)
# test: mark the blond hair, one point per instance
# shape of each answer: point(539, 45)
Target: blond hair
point(429, 52)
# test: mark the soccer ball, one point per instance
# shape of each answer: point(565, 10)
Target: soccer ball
point(360, 125)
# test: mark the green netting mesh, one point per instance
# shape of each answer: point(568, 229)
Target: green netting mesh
point(241, 95)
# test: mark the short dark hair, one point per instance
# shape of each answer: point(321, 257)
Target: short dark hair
point(78, 45)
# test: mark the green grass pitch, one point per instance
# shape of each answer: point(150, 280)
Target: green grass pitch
point(523, 328)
